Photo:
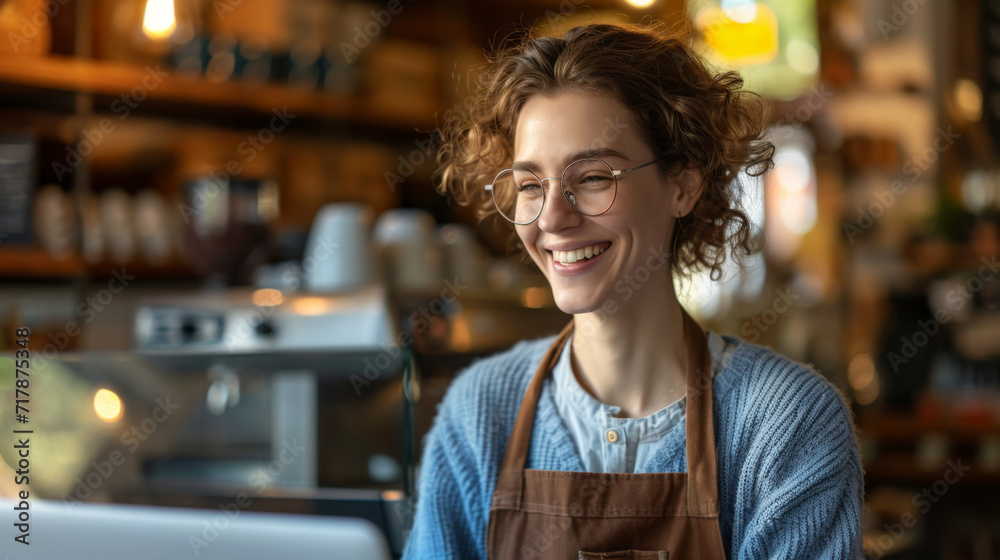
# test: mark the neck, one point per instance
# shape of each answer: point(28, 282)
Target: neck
point(636, 357)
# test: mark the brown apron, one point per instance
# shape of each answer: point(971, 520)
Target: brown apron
point(582, 515)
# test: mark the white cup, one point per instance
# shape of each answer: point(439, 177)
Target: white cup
point(337, 255)
point(408, 239)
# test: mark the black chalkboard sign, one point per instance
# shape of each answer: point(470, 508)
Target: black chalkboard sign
point(17, 187)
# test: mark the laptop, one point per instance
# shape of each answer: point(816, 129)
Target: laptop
point(85, 531)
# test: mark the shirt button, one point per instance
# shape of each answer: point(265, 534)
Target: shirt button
point(612, 436)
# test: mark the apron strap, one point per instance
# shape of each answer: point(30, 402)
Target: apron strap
point(702, 488)
point(510, 483)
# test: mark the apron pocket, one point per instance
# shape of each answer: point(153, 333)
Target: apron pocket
point(626, 555)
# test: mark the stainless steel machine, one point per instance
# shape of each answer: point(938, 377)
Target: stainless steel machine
point(264, 400)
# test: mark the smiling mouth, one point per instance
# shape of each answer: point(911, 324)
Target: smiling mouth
point(581, 254)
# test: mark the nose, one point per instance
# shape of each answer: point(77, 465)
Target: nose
point(557, 212)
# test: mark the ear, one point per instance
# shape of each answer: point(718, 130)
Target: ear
point(690, 183)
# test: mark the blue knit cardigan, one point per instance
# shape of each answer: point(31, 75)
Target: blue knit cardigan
point(790, 477)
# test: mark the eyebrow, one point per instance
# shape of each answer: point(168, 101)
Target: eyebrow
point(582, 154)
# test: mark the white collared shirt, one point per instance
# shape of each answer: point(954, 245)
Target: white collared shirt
point(605, 442)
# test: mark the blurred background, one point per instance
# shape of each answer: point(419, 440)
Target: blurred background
point(219, 227)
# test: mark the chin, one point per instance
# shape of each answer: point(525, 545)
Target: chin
point(573, 304)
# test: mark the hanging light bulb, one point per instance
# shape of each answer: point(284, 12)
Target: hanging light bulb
point(159, 21)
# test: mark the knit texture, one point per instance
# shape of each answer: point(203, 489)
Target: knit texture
point(790, 477)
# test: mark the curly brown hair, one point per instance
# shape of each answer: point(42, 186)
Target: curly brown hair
point(686, 113)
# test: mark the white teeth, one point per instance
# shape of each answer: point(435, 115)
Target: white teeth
point(570, 257)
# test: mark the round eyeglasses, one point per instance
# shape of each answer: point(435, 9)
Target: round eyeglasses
point(589, 186)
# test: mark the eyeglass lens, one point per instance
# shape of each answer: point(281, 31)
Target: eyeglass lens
point(588, 185)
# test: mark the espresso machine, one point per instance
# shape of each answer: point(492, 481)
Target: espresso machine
point(312, 391)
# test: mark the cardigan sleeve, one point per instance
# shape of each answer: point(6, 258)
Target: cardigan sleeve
point(441, 528)
point(447, 523)
point(463, 452)
point(801, 491)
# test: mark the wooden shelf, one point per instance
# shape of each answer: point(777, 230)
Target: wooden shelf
point(904, 470)
point(905, 427)
point(115, 79)
point(32, 262)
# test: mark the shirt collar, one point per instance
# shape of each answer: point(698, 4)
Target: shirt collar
point(574, 397)
point(568, 389)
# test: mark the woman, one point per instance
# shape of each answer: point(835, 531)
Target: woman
point(613, 152)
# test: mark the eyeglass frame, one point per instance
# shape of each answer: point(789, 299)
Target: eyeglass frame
point(615, 174)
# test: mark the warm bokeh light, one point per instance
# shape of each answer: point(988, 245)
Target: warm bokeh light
point(706, 298)
point(861, 372)
point(792, 207)
point(802, 57)
point(863, 378)
point(868, 395)
point(793, 170)
point(740, 11)
point(754, 41)
point(107, 405)
point(267, 297)
point(159, 21)
point(535, 297)
point(978, 190)
point(969, 99)
point(393, 495)
point(640, 3)
point(461, 337)
point(310, 306)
